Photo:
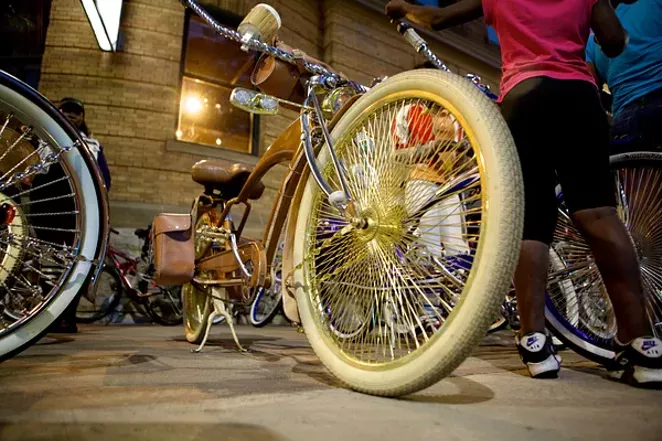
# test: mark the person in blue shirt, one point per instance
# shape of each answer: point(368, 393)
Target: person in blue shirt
point(634, 78)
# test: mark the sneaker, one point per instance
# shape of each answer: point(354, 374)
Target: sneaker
point(639, 364)
point(63, 327)
point(539, 355)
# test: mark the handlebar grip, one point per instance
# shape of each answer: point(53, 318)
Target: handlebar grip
point(414, 39)
point(114, 231)
point(411, 36)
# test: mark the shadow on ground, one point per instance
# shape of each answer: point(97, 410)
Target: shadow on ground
point(468, 392)
point(35, 431)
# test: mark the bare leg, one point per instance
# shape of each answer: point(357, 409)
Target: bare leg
point(530, 283)
point(619, 267)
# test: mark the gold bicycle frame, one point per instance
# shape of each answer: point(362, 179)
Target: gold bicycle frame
point(287, 147)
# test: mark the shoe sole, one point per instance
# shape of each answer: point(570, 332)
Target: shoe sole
point(628, 376)
point(550, 375)
point(545, 369)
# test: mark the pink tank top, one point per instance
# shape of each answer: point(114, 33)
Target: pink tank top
point(541, 38)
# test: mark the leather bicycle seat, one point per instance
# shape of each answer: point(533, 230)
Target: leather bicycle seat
point(216, 175)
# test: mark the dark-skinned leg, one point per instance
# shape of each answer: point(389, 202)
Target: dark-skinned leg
point(588, 186)
point(527, 119)
point(530, 283)
point(617, 261)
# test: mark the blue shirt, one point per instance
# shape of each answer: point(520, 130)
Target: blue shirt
point(638, 70)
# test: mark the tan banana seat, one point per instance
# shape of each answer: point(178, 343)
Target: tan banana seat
point(216, 175)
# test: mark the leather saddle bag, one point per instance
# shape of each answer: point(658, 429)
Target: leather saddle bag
point(279, 78)
point(174, 249)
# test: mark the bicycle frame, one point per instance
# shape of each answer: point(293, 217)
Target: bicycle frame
point(124, 263)
point(287, 148)
point(127, 265)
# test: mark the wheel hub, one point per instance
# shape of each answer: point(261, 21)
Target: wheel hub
point(371, 225)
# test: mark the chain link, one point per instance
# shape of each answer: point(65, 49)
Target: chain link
point(40, 167)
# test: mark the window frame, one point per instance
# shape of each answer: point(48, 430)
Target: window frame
point(230, 19)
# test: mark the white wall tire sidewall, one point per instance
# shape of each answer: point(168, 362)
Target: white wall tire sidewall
point(253, 311)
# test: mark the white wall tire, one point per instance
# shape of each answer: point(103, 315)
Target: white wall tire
point(21, 334)
point(497, 252)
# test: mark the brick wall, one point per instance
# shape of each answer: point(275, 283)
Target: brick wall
point(132, 96)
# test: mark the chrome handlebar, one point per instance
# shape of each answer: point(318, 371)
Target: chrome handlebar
point(420, 45)
point(331, 79)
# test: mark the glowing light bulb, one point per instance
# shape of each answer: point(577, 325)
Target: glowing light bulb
point(218, 141)
point(193, 105)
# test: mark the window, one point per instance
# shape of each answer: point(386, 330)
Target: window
point(212, 67)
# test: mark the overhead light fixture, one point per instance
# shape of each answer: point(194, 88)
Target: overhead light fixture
point(193, 105)
point(104, 17)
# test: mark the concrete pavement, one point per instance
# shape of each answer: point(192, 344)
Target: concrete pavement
point(143, 383)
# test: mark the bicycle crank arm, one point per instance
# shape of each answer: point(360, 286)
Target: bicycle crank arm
point(222, 283)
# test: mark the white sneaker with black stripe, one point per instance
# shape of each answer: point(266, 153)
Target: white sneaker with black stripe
point(538, 354)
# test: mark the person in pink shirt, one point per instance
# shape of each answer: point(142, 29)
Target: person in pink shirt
point(551, 104)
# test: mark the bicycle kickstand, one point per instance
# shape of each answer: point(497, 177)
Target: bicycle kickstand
point(220, 309)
